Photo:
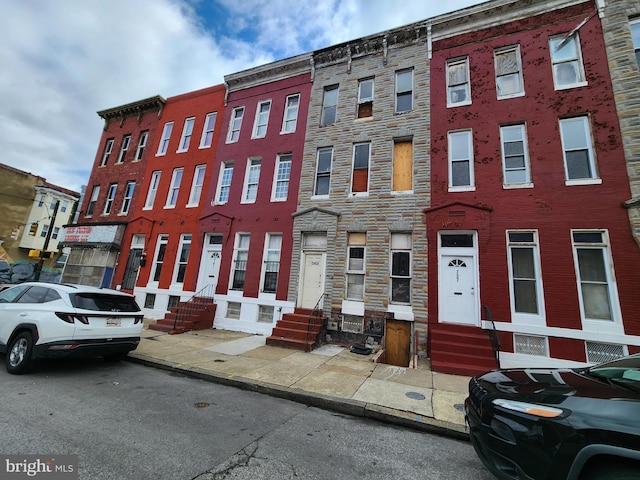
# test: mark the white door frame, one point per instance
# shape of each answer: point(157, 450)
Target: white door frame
point(303, 263)
point(210, 253)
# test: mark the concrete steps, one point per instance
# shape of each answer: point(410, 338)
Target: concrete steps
point(196, 314)
point(298, 331)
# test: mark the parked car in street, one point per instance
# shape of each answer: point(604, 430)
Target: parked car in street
point(537, 424)
point(44, 320)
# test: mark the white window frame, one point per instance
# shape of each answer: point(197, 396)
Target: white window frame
point(110, 198)
point(514, 74)
point(251, 180)
point(363, 98)
point(224, 186)
point(107, 152)
point(402, 91)
point(401, 242)
point(142, 143)
point(290, 118)
point(128, 196)
point(95, 193)
point(358, 147)
point(187, 133)
point(163, 146)
point(570, 145)
point(458, 85)
point(261, 121)
point(525, 240)
point(240, 254)
point(196, 186)
point(597, 324)
point(182, 259)
point(153, 190)
point(235, 124)
point(329, 114)
point(511, 134)
point(126, 140)
point(174, 189)
point(158, 259)
point(451, 160)
point(356, 267)
point(282, 177)
point(207, 130)
point(634, 26)
point(324, 173)
point(63, 206)
point(271, 260)
point(569, 59)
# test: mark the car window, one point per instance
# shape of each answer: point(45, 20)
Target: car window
point(34, 294)
point(9, 295)
point(104, 302)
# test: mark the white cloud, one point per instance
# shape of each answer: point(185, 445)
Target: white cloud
point(63, 61)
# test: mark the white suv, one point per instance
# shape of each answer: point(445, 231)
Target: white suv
point(44, 320)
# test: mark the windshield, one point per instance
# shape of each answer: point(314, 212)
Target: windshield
point(624, 371)
point(104, 302)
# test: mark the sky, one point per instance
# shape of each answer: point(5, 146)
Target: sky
point(61, 61)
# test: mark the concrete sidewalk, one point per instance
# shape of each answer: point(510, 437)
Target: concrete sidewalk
point(330, 377)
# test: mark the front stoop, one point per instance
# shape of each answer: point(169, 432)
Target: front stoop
point(201, 319)
point(297, 331)
point(460, 350)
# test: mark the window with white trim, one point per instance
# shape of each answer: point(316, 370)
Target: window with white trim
point(356, 245)
point(252, 177)
point(64, 205)
point(196, 186)
point(240, 263)
point(45, 230)
point(224, 183)
point(164, 139)
point(158, 258)
point(281, 178)
point(577, 147)
point(365, 98)
point(142, 144)
point(174, 189)
point(515, 155)
point(401, 248)
point(187, 132)
point(183, 258)
point(42, 199)
point(508, 67)
point(323, 171)
point(360, 172)
point(111, 196)
point(262, 119)
point(525, 284)
point(93, 200)
point(329, 105)
point(461, 175)
point(207, 130)
point(128, 196)
point(594, 272)
point(153, 190)
point(107, 152)
point(273, 246)
point(290, 119)
point(458, 82)
point(404, 91)
point(634, 25)
point(566, 59)
point(126, 140)
point(235, 124)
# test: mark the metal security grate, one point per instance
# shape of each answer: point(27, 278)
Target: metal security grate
point(233, 310)
point(531, 345)
point(603, 352)
point(352, 324)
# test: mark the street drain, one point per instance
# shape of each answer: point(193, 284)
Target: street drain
point(415, 395)
point(202, 404)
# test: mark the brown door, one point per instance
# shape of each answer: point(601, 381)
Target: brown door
point(398, 343)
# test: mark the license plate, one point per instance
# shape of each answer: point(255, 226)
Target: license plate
point(113, 322)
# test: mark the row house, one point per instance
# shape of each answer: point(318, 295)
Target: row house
point(359, 239)
point(246, 227)
point(95, 240)
point(527, 229)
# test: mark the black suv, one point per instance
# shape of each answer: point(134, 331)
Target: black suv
point(548, 424)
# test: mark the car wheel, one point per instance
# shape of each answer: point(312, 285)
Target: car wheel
point(19, 354)
point(617, 471)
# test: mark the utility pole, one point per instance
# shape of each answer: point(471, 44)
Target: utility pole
point(40, 263)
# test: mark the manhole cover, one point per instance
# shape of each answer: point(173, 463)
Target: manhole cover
point(459, 407)
point(415, 395)
point(202, 404)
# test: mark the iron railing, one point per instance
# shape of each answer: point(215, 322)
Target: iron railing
point(197, 302)
point(315, 317)
point(494, 338)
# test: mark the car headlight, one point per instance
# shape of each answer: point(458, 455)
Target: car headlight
point(528, 408)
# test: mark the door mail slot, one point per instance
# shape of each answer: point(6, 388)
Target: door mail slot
point(457, 293)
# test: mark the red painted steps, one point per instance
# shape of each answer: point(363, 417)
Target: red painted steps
point(299, 330)
point(203, 312)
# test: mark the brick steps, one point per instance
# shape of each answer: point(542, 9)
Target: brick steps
point(460, 350)
point(201, 318)
point(295, 332)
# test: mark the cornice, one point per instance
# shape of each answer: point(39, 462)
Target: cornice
point(134, 109)
point(271, 72)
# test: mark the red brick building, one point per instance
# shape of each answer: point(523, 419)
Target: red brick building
point(528, 182)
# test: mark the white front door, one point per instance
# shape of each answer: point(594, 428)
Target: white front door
point(312, 285)
point(210, 262)
point(458, 299)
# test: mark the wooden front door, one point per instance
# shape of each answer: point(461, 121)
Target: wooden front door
point(398, 343)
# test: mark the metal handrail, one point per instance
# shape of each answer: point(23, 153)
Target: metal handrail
point(314, 316)
point(194, 304)
point(494, 338)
